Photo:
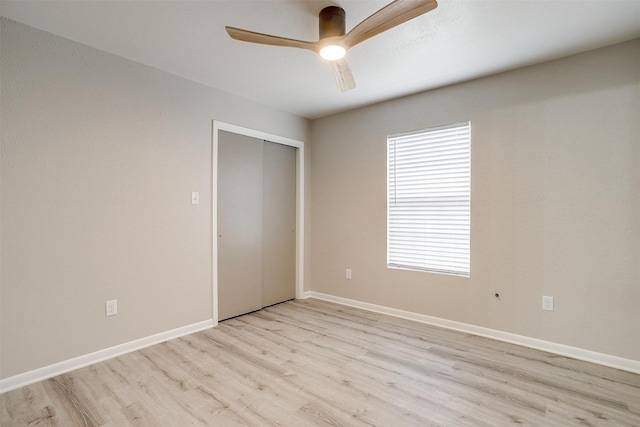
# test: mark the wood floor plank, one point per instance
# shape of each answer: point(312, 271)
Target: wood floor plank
point(315, 363)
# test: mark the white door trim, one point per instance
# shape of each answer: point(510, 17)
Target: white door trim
point(218, 126)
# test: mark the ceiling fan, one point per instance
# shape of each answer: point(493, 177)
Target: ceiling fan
point(334, 42)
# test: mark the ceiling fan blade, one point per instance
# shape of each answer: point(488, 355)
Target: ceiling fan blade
point(395, 13)
point(253, 37)
point(344, 77)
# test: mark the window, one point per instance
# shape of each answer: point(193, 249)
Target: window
point(429, 200)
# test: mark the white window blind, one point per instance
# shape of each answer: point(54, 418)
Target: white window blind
point(429, 200)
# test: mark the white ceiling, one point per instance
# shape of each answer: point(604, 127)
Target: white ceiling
point(460, 40)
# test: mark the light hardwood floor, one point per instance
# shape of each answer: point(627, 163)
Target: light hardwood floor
point(307, 363)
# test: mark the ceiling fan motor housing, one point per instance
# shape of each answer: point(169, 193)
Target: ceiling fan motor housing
point(332, 22)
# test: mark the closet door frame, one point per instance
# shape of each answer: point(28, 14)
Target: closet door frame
point(299, 145)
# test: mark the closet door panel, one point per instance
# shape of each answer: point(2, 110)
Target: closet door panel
point(239, 224)
point(278, 224)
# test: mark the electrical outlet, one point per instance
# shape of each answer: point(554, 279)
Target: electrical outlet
point(547, 303)
point(111, 307)
point(348, 274)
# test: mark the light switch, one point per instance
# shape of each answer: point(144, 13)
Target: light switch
point(195, 198)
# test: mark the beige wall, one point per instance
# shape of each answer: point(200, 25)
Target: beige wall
point(99, 159)
point(555, 202)
point(99, 156)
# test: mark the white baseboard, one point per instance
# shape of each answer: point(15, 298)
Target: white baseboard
point(50, 371)
point(551, 347)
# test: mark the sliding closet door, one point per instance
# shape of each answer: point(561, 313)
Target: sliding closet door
point(256, 224)
point(239, 224)
point(278, 224)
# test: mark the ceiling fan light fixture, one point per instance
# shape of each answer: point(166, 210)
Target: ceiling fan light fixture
point(334, 41)
point(333, 52)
